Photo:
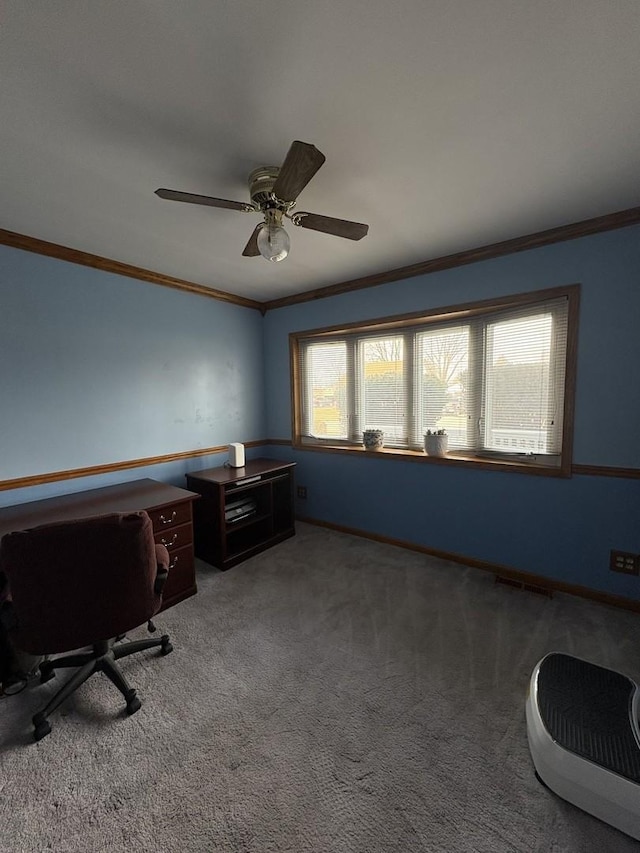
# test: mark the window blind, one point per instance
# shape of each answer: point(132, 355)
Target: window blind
point(381, 387)
point(325, 411)
point(521, 410)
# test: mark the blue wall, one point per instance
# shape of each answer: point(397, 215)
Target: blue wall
point(560, 529)
point(97, 368)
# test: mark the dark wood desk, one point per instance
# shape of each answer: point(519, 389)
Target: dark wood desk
point(169, 508)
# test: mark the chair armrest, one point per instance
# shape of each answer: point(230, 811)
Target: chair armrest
point(162, 573)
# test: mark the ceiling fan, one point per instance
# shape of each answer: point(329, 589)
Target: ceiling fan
point(273, 191)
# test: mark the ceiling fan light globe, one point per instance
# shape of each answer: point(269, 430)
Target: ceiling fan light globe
point(273, 243)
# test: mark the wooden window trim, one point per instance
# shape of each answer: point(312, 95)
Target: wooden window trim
point(466, 310)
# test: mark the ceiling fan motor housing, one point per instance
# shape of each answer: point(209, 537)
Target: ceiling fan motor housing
point(261, 181)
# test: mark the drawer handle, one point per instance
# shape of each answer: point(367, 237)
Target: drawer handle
point(164, 520)
point(173, 563)
point(169, 544)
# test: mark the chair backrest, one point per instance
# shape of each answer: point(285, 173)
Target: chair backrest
point(75, 583)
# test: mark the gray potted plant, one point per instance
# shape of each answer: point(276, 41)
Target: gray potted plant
point(373, 439)
point(436, 442)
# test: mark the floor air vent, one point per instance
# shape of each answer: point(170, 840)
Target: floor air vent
point(527, 587)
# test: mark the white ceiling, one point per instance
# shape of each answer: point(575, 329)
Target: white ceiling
point(446, 124)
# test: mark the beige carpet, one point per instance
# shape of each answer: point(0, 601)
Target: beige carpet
point(330, 695)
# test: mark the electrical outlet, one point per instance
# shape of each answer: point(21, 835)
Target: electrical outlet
point(302, 492)
point(625, 562)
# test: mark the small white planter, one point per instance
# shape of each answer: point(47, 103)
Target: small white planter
point(436, 445)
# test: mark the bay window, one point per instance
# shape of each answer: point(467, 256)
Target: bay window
point(497, 376)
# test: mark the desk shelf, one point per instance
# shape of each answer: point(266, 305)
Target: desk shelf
point(223, 543)
point(241, 523)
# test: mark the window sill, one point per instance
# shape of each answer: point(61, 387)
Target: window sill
point(453, 458)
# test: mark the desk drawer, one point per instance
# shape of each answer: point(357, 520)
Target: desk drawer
point(170, 516)
point(181, 573)
point(174, 537)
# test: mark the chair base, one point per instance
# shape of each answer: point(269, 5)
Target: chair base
point(102, 658)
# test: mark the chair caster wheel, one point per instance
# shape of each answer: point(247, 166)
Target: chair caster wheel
point(133, 703)
point(47, 672)
point(166, 647)
point(41, 727)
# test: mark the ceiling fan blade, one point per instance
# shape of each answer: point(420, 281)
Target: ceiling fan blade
point(301, 163)
point(191, 198)
point(329, 225)
point(251, 249)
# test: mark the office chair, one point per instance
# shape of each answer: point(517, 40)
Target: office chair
point(84, 583)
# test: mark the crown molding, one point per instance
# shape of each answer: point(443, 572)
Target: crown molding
point(74, 256)
point(609, 222)
point(586, 227)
